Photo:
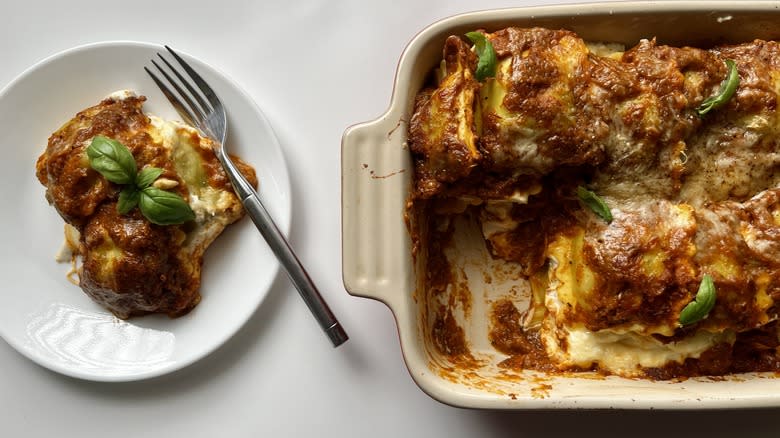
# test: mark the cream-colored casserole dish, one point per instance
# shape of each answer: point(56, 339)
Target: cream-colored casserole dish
point(377, 253)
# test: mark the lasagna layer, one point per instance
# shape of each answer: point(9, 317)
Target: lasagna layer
point(130, 265)
point(690, 195)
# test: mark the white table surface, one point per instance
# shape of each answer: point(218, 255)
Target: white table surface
point(314, 67)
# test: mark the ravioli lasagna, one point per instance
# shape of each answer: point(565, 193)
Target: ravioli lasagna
point(125, 262)
point(690, 195)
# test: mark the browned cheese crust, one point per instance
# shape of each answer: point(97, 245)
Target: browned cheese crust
point(130, 266)
point(690, 194)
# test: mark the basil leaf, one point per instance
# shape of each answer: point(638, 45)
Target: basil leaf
point(112, 159)
point(128, 199)
point(486, 65)
point(701, 306)
point(115, 162)
point(164, 208)
point(146, 177)
point(595, 203)
point(727, 89)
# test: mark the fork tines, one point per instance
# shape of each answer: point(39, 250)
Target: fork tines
point(193, 105)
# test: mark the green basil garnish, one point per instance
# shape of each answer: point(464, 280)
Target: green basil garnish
point(146, 176)
point(701, 306)
point(128, 199)
point(595, 203)
point(727, 89)
point(112, 159)
point(115, 162)
point(486, 64)
point(164, 208)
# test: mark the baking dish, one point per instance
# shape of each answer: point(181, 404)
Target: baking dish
point(377, 251)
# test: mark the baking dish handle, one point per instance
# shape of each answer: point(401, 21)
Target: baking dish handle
point(375, 178)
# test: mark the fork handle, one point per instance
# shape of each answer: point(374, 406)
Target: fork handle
point(298, 275)
point(284, 253)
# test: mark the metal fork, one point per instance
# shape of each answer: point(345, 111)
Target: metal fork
point(199, 106)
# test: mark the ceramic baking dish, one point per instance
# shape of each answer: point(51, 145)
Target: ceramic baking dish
point(377, 256)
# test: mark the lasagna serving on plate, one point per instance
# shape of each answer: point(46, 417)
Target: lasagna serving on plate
point(142, 199)
point(632, 194)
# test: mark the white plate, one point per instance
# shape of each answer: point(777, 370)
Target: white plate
point(53, 322)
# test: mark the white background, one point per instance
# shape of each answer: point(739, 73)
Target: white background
point(314, 67)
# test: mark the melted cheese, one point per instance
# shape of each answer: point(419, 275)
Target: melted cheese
point(206, 201)
point(624, 353)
